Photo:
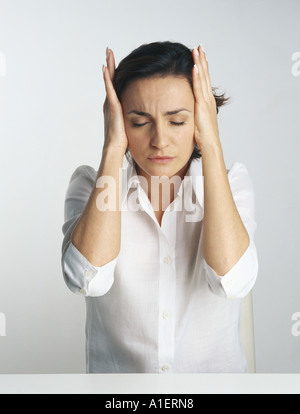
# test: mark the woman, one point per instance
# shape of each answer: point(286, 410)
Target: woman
point(163, 271)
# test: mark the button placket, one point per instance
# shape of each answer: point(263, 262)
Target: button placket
point(165, 315)
point(83, 292)
point(167, 260)
point(167, 289)
point(88, 273)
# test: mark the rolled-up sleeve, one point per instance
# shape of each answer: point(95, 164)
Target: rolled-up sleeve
point(240, 279)
point(80, 275)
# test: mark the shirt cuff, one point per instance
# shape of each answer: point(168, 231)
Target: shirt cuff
point(240, 279)
point(82, 277)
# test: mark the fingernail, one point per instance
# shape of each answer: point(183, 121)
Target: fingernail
point(195, 66)
point(103, 68)
point(202, 48)
point(107, 52)
point(195, 49)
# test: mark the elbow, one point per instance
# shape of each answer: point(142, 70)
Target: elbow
point(239, 280)
point(232, 256)
point(82, 277)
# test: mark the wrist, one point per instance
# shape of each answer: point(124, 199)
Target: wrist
point(114, 151)
point(111, 161)
point(213, 159)
point(213, 148)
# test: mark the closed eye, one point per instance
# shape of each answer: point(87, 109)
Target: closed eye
point(139, 125)
point(173, 123)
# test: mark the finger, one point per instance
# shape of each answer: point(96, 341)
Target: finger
point(204, 63)
point(198, 59)
point(198, 93)
point(110, 59)
point(197, 73)
point(110, 90)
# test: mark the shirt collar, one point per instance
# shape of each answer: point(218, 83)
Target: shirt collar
point(130, 180)
point(196, 172)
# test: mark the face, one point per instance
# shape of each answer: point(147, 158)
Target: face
point(159, 122)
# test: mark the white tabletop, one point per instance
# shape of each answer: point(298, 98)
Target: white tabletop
point(150, 384)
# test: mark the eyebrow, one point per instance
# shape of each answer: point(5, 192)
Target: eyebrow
point(176, 111)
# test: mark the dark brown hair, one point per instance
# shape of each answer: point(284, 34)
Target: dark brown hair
point(159, 59)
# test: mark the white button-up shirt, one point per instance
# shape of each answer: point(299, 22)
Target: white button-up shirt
point(158, 307)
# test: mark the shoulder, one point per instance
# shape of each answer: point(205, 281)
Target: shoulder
point(82, 180)
point(83, 174)
point(237, 168)
point(84, 171)
point(239, 178)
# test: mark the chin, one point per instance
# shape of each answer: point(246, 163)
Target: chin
point(163, 170)
point(170, 169)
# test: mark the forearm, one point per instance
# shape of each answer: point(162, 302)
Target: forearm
point(98, 233)
point(225, 238)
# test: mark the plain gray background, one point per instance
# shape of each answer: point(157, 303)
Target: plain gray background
point(51, 121)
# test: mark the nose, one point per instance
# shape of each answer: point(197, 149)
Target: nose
point(160, 137)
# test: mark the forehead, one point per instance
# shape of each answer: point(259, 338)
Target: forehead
point(168, 90)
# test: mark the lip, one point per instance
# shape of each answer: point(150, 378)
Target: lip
point(161, 159)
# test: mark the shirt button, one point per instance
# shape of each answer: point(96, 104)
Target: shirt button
point(166, 315)
point(88, 273)
point(83, 292)
point(167, 260)
point(172, 207)
point(165, 368)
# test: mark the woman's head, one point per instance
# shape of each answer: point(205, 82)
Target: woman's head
point(154, 79)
